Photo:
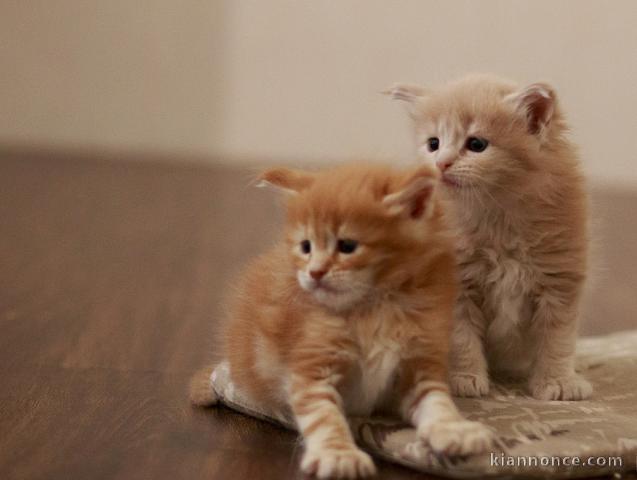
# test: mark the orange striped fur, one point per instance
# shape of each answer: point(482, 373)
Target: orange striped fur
point(372, 333)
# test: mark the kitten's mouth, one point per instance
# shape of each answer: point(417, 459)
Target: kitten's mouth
point(450, 181)
point(321, 287)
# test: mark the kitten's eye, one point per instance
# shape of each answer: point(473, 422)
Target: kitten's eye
point(476, 144)
point(347, 246)
point(433, 144)
point(306, 246)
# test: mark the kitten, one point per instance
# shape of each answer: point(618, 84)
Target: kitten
point(351, 313)
point(521, 214)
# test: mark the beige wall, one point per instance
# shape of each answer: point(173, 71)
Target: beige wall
point(298, 80)
point(122, 74)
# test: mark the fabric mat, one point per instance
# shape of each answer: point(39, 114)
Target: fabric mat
point(535, 437)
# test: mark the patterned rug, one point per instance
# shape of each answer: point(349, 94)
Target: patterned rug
point(535, 438)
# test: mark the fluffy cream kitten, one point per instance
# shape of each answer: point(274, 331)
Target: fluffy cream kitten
point(520, 207)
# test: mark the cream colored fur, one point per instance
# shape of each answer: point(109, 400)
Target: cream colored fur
point(520, 211)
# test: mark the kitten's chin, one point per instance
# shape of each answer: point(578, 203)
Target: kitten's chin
point(336, 300)
point(332, 298)
point(451, 182)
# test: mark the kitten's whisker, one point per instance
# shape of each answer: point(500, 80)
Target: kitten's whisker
point(481, 178)
point(478, 184)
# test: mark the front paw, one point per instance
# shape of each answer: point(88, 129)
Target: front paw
point(469, 385)
point(457, 437)
point(572, 387)
point(331, 463)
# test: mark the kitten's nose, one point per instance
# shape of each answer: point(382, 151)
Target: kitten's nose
point(444, 163)
point(317, 274)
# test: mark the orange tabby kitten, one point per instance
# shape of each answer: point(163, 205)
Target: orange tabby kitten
point(513, 179)
point(351, 313)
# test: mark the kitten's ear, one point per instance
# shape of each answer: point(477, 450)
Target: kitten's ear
point(407, 92)
point(286, 180)
point(537, 104)
point(415, 197)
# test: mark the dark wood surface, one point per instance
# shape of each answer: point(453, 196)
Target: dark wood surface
point(110, 279)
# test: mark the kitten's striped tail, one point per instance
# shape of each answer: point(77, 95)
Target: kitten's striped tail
point(201, 391)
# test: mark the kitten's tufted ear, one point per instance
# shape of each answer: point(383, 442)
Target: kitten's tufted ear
point(285, 179)
point(537, 103)
point(415, 197)
point(407, 92)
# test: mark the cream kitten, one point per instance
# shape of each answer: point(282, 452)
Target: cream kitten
point(351, 313)
point(520, 207)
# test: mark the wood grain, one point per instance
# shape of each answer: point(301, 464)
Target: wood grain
point(111, 276)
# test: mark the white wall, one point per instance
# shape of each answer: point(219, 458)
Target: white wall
point(297, 80)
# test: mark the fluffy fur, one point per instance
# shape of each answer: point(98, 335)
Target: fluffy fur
point(330, 330)
point(521, 215)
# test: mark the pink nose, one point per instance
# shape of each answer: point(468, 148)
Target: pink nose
point(444, 164)
point(317, 274)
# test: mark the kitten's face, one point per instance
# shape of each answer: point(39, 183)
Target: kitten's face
point(337, 262)
point(349, 229)
point(334, 263)
point(470, 155)
point(481, 133)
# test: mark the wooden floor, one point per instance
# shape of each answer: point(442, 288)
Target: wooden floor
point(110, 280)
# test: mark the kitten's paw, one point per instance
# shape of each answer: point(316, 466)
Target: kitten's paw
point(331, 463)
point(469, 385)
point(459, 437)
point(574, 387)
point(201, 391)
